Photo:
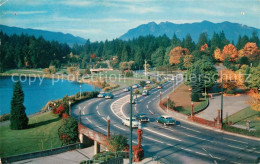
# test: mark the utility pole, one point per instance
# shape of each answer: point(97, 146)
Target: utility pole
point(221, 112)
point(131, 129)
point(145, 68)
point(80, 90)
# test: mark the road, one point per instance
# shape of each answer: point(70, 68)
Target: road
point(182, 143)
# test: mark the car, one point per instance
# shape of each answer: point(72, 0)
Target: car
point(166, 120)
point(127, 89)
point(148, 82)
point(142, 117)
point(126, 122)
point(135, 86)
point(109, 96)
point(145, 92)
point(159, 86)
point(101, 95)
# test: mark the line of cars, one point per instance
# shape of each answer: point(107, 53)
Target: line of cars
point(142, 117)
point(106, 95)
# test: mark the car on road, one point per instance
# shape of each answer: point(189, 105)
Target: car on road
point(102, 95)
point(145, 93)
point(126, 122)
point(135, 86)
point(109, 96)
point(127, 89)
point(142, 117)
point(159, 86)
point(166, 120)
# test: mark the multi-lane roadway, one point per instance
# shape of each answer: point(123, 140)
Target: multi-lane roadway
point(182, 143)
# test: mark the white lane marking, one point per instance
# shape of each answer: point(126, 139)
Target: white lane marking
point(153, 139)
point(149, 102)
point(97, 108)
point(235, 140)
point(83, 112)
point(104, 118)
point(98, 112)
point(147, 106)
point(135, 109)
point(210, 155)
point(198, 137)
point(120, 127)
point(173, 138)
point(114, 107)
point(151, 111)
point(189, 129)
point(243, 149)
point(102, 128)
point(101, 102)
point(89, 120)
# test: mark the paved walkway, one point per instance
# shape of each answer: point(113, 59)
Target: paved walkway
point(70, 157)
point(231, 105)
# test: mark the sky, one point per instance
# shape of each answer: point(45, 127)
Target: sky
point(108, 19)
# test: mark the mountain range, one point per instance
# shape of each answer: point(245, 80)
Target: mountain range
point(47, 35)
point(231, 30)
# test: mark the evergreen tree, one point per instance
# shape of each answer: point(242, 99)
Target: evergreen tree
point(239, 45)
point(196, 83)
point(223, 40)
point(202, 40)
point(215, 43)
point(18, 117)
point(188, 43)
point(255, 38)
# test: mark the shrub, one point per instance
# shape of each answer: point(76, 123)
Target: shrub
point(117, 143)
point(4, 117)
point(142, 83)
point(68, 132)
point(59, 110)
point(129, 74)
point(195, 97)
point(230, 91)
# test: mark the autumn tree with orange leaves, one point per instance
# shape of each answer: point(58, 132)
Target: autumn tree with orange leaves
point(217, 54)
point(251, 51)
point(231, 79)
point(204, 47)
point(176, 54)
point(229, 51)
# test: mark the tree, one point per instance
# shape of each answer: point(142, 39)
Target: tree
point(254, 80)
point(176, 54)
point(187, 61)
point(217, 54)
point(157, 57)
point(251, 51)
point(231, 79)
point(255, 101)
point(204, 47)
point(18, 118)
point(68, 132)
point(255, 38)
point(203, 40)
point(142, 83)
point(196, 83)
point(230, 52)
point(188, 43)
point(117, 143)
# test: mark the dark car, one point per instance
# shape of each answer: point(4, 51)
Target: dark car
point(166, 120)
point(142, 117)
point(101, 95)
point(109, 96)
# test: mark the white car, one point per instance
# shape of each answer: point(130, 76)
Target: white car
point(126, 122)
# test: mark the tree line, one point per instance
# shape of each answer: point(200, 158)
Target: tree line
point(29, 52)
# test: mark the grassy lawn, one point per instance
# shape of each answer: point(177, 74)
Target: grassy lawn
point(243, 115)
point(182, 100)
point(42, 135)
point(24, 71)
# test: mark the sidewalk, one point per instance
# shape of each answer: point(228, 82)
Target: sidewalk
point(231, 105)
point(70, 157)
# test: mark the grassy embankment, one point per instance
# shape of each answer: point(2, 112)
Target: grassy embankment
point(182, 100)
point(42, 134)
point(240, 118)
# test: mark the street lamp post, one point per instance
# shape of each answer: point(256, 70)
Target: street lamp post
point(160, 96)
point(167, 104)
point(108, 127)
point(131, 129)
point(79, 116)
point(80, 91)
point(192, 106)
point(69, 108)
point(221, 111)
